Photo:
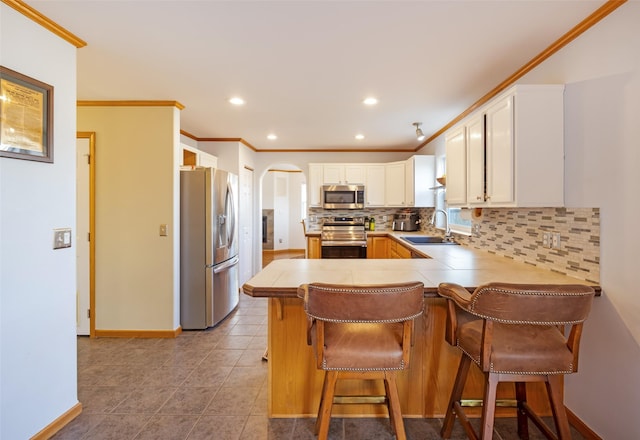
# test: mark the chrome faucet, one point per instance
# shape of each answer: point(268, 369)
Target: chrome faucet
point(447, 230)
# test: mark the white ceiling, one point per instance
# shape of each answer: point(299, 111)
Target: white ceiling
point(304, 67)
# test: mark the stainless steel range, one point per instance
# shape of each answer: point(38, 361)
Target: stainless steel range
point(343, 237)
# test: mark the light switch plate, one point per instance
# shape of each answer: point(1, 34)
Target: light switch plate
point(163, 230)
point(61, 238)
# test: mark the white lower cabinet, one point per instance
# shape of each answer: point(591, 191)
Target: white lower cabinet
point(510, 152)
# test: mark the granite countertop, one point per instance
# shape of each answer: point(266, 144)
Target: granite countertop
point(447, 263)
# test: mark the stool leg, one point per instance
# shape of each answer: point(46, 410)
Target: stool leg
point(523, 419)
point(456, 394)
point(554, 389)
point(326, 402)
point(395, 412)
point(489, 405)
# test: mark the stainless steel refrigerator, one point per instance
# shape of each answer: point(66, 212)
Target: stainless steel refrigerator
point(208, 247)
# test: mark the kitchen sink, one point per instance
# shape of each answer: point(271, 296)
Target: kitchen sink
point(421, 239)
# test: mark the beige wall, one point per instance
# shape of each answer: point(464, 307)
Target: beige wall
point(136, 191)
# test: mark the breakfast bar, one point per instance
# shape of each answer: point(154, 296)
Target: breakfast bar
point(294, 383)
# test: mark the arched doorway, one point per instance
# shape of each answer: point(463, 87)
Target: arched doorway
point(283, 195)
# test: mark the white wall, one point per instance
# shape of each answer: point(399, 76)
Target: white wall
point(137, 270)
point(297, 240)
point(601, 70)
point(38, 381)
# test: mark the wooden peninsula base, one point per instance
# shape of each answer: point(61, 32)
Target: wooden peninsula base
point(295, 383)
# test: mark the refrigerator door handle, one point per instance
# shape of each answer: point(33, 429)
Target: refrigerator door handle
point(226, 265)
point(231, 214)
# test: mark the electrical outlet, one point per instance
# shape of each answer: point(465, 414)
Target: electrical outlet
point(555, 240)
point(546, 240)
point(476, 229)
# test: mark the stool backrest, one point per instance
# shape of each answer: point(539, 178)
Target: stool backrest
point(541, 304)
point(363, 303)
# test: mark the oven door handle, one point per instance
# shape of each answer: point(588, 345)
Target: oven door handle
point(332, 243)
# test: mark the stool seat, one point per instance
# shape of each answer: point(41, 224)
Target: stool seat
point(361, 347)
point(361, 332)
point(521, 349)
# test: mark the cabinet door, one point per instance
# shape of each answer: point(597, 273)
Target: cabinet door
point(476, 158)
point(500, 153)
point(354, 173)
point(395, 184)
point(456, 154)
point(380, 247)
point(313, 247)
point(419, 179)
point(333, 173)
point(207, 160)
point(315, 183)
point(374, 186)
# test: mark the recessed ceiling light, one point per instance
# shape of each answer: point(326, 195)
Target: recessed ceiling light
point(359, 137)
point(236, 100)
point(272, 137)
point(370, 101)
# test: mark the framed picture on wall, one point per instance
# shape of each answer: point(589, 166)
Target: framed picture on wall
point(26, 117)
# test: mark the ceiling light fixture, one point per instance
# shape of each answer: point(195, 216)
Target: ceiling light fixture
point(359, 137)
point(419, 133)
point(272, 137)
point(370, 101)
point(236, 100)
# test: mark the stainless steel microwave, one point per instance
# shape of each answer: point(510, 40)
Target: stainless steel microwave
point(342, 196)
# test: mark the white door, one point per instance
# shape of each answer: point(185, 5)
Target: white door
point(246, 225)
point(83, 269)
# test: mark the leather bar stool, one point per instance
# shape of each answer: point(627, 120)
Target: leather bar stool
point(515, 333)
point(361, 332)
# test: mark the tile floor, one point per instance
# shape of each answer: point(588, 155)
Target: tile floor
point(206, 385)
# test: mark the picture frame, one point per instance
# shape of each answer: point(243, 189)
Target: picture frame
point(26, 117)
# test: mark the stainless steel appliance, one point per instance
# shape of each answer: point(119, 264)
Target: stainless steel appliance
point(339, 196)
point(343, 237)
point(208, 247)
point(406, 221)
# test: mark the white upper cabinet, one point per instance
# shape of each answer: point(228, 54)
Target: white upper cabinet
point(315, 183)
point(475, 161)
point(343, 173)
point(456, 166)
point(419, 181)
point(374, 190)
point(513, 151)
point(500, 151)
point(354, 173)
point(395, 184)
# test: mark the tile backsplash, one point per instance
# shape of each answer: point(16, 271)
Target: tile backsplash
point(515, 233)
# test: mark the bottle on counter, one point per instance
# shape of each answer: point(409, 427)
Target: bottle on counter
point(372, 224)
point(366, 223)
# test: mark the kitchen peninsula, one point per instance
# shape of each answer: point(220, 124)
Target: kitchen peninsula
point(295, 383)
